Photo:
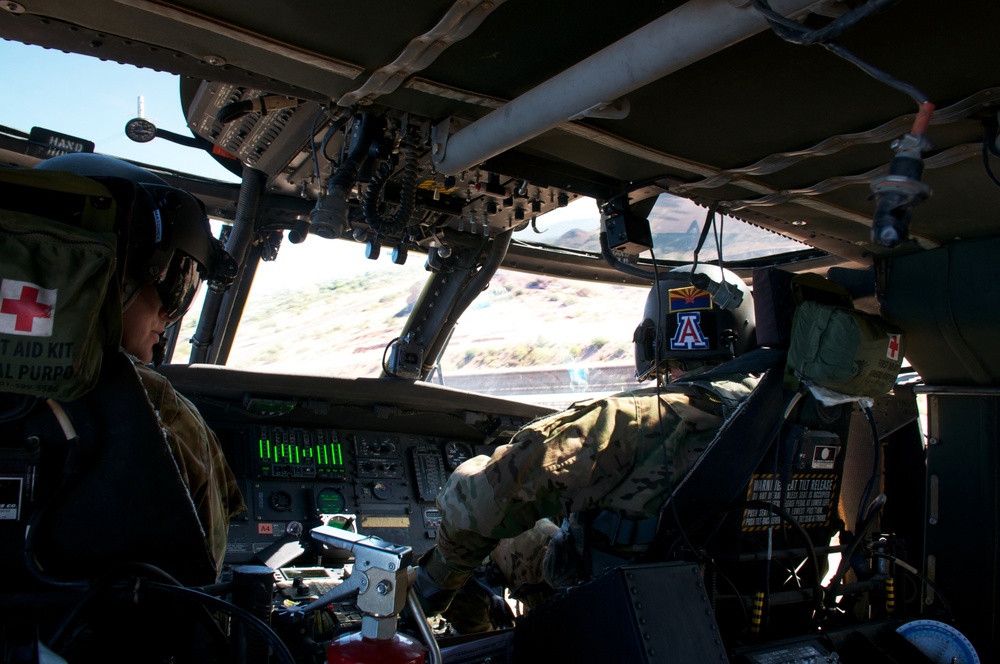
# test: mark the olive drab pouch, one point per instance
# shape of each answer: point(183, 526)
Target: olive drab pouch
point(57, 312)
point(844, 351)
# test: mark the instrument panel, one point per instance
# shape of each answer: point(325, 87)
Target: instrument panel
point(366, 454)
point(294, 478)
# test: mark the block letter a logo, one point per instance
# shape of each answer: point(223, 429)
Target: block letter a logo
point(689, 335)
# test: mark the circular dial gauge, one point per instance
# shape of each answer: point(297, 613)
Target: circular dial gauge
point(140, 130)
point(455, 453)
point(942, 643)
point(281, 501)
point(330, 501)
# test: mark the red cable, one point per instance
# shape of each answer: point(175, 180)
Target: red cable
point(923, 119)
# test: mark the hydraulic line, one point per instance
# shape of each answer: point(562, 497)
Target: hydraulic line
point(832, 590)
point(897, 193)
point(798, 34)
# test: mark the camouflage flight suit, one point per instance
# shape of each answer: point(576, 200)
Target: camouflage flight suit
point(622, 453)
point(199, 457)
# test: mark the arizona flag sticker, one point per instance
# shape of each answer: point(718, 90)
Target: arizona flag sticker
point(26, 308)
point(892, 352)
point(689, 298)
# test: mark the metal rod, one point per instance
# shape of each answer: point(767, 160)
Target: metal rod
point(417, 611)
point(677, 39)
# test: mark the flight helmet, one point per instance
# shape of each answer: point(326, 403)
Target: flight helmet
point(164, 236)
point(686, 325)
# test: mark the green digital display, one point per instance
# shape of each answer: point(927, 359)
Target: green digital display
point(289, 452)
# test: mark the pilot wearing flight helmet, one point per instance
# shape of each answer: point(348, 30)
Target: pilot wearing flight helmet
point(165, 252)
point(602, 468)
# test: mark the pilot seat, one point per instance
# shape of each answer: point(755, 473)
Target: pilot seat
point(92, 505)
point(742, 543)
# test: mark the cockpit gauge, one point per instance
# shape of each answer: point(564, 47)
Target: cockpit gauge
point(455, 453)
point(281, 501)
point(330, 501)
point(140, 130)
point(942, 643)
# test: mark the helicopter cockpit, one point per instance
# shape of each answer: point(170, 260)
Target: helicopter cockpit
point(445, 218)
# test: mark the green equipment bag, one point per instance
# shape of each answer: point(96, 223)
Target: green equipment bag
point(844, 350)
point(57, 261)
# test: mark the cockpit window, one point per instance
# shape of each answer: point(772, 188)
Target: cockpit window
point(323, 309)
point(676, 224)
point(545, 340)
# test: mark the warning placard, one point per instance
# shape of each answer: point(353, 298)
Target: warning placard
point(10, 498)
point(809, 498)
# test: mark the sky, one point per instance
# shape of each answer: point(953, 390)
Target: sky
point(93, 99)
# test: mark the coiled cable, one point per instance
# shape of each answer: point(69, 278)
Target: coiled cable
point(373, 201)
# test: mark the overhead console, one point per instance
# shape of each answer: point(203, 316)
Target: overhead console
point(347, 159)
point(370, 454)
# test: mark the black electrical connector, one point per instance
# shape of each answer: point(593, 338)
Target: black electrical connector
point(299, 231)
point(329, 217)
point(406, 359)
point(724, 294)
point(898, 192)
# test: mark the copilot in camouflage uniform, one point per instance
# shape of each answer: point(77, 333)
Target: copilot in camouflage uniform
point(621, 454)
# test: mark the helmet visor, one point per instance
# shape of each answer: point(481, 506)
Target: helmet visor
point(179, 285)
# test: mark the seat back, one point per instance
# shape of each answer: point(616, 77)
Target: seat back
point(104, 494)
point(719, 477)
point(88, 482)
point(777, 447)
point(765, 494)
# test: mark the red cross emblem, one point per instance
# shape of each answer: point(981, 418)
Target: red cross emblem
point(893, 351)
point(26, 308)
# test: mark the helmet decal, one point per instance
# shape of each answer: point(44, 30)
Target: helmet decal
point(689, 335)
point(684, 322)
point(689, 298)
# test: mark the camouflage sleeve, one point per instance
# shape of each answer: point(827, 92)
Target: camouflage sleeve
point(568, 462)
point(199, 458)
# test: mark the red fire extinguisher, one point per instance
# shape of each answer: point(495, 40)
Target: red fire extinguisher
point(354, 648)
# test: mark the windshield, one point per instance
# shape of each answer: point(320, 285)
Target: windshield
point(676, 224)
point(322, 308)
point(545, 340)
